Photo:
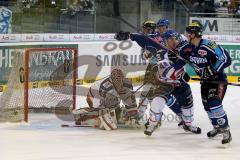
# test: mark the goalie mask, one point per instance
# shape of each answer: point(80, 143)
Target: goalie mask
point(117, 79)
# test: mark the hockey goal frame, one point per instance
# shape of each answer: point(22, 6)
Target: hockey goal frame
point(27, 71)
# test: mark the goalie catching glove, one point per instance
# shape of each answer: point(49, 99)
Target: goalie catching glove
point(130, 117)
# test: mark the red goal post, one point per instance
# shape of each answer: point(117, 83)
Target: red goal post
point(40, 77)
point(71, 61)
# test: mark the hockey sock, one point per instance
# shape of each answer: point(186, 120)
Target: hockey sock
point(174, 105)
point(217, 114)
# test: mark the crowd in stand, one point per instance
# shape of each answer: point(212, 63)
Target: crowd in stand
point(80, 5)
point(221, 7)
point(39, 3)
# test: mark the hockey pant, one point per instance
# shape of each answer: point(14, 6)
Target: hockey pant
point(212, 96)
point(158, 103)
point(147, 90)
point(184, 98)
point(147, 97)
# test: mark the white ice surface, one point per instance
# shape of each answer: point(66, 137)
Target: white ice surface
point(44, 139)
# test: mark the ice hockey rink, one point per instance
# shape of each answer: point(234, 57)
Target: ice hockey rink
point(44, 139)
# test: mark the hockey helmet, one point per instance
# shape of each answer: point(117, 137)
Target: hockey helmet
point(196, 28)
point(170, 33)
point(117, 77)
point(149, 24)
point(163, 22)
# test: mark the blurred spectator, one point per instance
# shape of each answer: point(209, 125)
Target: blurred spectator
point(53, 3)
point(79, 5)
point(238, 10)
point(222, 7)
point(29, 3)
point(198, 5)
point(86, 4)
point(209, 7)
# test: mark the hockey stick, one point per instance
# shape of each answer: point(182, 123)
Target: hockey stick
point(75, 126)
point(144, 99)
point(194, 66)
point(215, 82)
point(141, 86)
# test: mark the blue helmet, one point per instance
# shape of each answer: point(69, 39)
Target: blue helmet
point(163, 22)
point(171, 33)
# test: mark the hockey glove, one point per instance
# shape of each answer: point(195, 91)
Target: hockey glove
point(145, 54)
point(209, 73)
point(184, 77)
point(122, 36)
point(132, 117)
point(154, 64)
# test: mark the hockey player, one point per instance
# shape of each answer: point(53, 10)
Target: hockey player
point(105, 95)
point(209, 61)
point(162, 86)
point(174, 42)
point(148, 29)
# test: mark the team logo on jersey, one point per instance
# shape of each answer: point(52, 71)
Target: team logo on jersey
point(221, 121)
point(202, 53)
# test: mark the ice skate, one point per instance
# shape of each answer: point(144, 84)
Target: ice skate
point(180, 124)
point(192, 129)
point(180, 120)
point(213, 132)
point(227, 137)
point(150, 128)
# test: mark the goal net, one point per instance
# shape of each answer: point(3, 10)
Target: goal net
point(39, 80)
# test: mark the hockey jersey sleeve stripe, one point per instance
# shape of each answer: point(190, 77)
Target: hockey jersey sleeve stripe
point(208, 48)
point(219, 53)
point(222, 58)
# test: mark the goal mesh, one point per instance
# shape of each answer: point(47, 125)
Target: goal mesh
point(49, 82)
point(12, 96)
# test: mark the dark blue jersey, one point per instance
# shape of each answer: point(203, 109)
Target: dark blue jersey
point(208, 53)
point(152, 44)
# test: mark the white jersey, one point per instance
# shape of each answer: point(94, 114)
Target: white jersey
point(104, 93)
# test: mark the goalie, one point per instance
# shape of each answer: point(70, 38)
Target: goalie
point(104, 97)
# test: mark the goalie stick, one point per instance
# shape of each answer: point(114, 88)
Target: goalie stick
point(92, 126)
point(75, 126)
point(142, 86)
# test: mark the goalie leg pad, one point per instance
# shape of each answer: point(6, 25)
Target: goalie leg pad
point(107, 122)
point(84, 114)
